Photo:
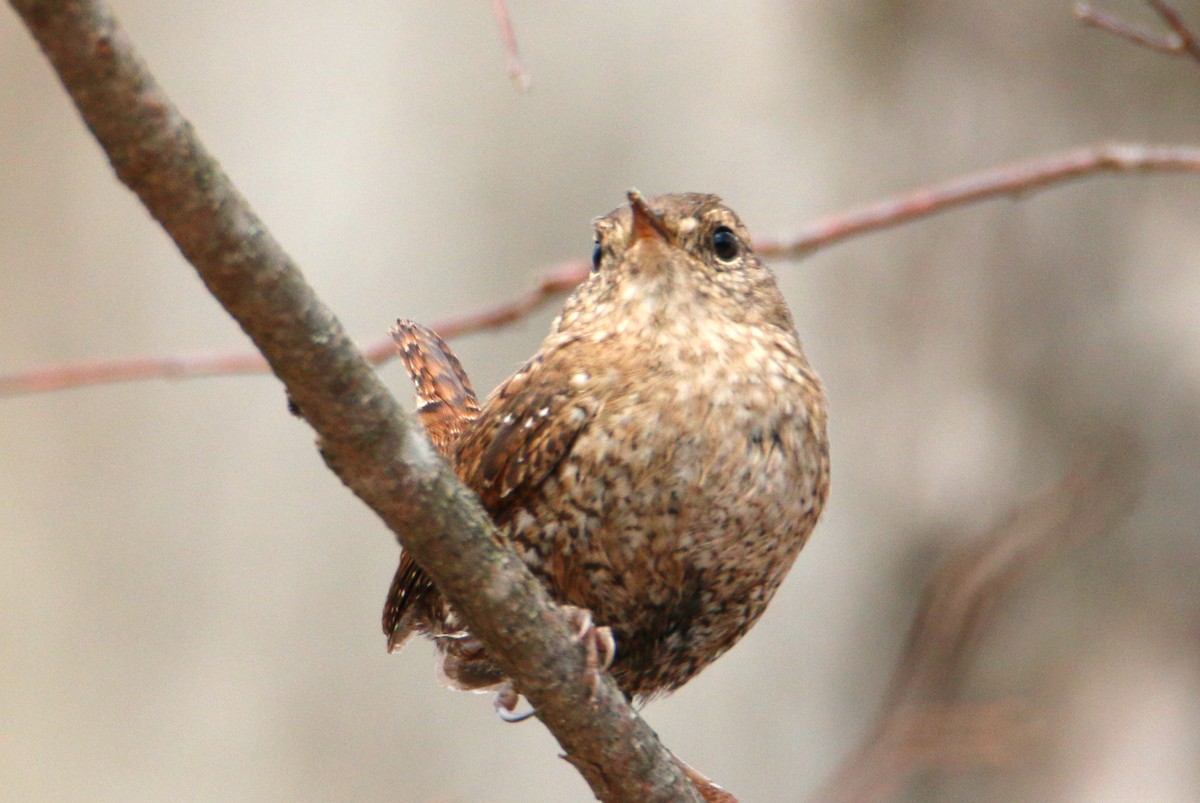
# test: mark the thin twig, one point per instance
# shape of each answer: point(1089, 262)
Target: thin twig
point(1016, 179)
point(516, 69)
point(365, 437)
point(562, 278)
point(922, 725)
point(1181, 41)
point(558, 280)
point(1107, 21)
point(1187, 38)
point(1013, 179)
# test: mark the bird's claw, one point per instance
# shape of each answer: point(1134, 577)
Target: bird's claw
point(507, 699)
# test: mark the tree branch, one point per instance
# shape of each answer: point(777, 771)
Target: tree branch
point(1181, 41)
point(558, 280)
point(364, 435)
point(1015, 179)
point(516, 69)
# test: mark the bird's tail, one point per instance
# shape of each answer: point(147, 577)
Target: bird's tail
point(446, 402)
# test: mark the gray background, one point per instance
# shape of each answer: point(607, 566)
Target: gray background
point(190, 600)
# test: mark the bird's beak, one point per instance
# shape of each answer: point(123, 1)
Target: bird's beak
point(646, 224)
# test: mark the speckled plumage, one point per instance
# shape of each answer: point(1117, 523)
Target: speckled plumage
point(660, 461)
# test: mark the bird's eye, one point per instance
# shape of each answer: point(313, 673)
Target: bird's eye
point(726, 244)
point(597, 253)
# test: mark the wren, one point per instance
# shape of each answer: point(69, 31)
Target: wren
point(659, 462)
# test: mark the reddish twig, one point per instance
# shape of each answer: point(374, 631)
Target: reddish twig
point(562, 278)
point(557, 281)
point(922, 726)
point(516, 70)
point(1019, 178)
point(106, 372)
point(1181, 41)
point(1014, 179)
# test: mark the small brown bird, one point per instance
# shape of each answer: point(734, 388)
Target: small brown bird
point(658, 463)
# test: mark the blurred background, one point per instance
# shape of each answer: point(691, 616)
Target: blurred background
point(190, 601)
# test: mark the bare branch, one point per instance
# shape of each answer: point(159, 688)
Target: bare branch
point(516, 70)
point(560, 279)
point(1187, 38)
point(1016, 179)
point(364, 435)
point(1181, 41)
point(1107, 21)
point(557, 281)
point(922, 726)
point(1009, 180)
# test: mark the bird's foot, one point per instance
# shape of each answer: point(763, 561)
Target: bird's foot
point(599, 646)
point(598, 643)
